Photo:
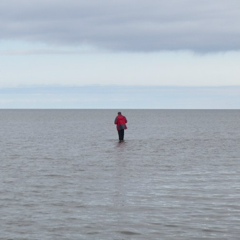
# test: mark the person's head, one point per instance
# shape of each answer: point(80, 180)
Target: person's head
point(119, 113)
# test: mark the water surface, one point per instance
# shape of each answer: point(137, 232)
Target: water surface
point(65, 176)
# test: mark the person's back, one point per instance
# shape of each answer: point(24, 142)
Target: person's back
point(121, 121)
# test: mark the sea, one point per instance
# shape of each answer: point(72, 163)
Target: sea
point(64, 175)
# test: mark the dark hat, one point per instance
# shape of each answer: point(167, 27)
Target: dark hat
point(119, 113)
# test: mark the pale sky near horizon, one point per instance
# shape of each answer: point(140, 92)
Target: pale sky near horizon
point(186, 43)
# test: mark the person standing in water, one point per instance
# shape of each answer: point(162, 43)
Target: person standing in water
point(120, 122)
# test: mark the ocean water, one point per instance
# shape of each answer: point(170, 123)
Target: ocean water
point(65, 176)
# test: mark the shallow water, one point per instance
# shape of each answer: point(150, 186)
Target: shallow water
point(65, 176)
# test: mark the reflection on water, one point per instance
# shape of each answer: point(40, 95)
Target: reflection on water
point(64, 177)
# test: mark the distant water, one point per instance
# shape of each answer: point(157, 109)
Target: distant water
point(65, 176)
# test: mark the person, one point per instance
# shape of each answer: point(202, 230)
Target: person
point(120, 122)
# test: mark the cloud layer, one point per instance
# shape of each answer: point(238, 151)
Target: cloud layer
point(126, 25)
point(121, 97)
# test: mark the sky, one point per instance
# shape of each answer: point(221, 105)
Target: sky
point(120, 54)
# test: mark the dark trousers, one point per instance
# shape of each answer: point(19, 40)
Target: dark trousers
point(121, 134)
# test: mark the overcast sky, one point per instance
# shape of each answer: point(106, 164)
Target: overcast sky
point(187, 43)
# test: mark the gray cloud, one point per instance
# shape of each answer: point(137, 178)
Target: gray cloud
point(126, 25)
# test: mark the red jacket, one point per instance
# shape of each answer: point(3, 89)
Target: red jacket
point(121, 121)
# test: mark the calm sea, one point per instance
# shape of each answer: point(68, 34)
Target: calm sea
point(65, 176)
